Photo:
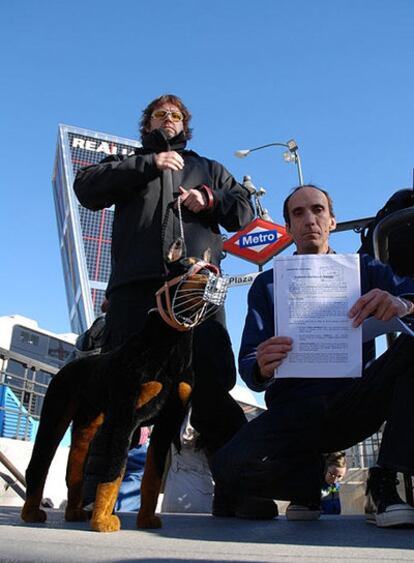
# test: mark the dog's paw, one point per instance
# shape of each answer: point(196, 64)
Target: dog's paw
point(77, 515)
point(30, 514)
point(109, 524)
point(148, 521)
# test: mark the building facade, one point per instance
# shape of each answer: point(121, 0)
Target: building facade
point(29, 357)
point(84, 236)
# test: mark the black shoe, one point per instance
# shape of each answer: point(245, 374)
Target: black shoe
point(383, 505)
point(303, 511)
point(246, 507)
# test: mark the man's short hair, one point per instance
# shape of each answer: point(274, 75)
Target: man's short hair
point(144, 125)
point(294, 190)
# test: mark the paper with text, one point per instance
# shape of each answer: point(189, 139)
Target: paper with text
point(313, 294)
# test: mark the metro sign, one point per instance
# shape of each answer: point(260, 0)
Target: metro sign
point(258, 242)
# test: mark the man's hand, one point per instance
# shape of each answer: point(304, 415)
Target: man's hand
point(381, 304)
point(192, 199)
point(271, 353)
point(169, 161)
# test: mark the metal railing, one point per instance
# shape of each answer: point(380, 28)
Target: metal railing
point(28, 380)
point(364, 454)
point(17, 480)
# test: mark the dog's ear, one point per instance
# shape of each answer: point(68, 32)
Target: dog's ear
point(207, 255)
point(175, 251)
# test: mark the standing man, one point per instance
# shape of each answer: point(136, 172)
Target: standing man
point(145, 188)
point(278, 454)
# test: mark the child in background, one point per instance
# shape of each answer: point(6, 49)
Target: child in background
point(335, 469)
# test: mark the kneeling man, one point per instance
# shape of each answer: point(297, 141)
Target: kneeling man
point(278, 454)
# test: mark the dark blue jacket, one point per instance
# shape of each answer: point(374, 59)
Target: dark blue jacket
point(330, 500)
point(259, 326)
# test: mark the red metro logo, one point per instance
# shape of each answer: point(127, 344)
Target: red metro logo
point(258, 242)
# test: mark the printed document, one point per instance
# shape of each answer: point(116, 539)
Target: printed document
point(313, 294)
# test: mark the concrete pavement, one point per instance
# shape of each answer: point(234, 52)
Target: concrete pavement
point(202, 538)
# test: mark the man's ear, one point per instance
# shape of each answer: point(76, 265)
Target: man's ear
point(287, 227)
point(332, 226)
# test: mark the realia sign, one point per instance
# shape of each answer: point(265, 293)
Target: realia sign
point(258, 242)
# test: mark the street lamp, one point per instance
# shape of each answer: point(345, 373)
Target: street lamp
point(257, 193)
point(291, 155)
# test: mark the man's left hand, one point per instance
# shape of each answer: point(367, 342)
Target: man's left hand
point(192, 200)
point(381, 304)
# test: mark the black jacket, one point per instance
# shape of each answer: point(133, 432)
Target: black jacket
point(146, 221)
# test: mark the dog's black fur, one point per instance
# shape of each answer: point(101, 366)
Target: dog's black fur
point(148, 378)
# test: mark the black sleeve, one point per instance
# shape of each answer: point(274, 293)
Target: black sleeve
point(113, 180)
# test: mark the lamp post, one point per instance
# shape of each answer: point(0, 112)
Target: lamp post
point(291, 155)
point(257, 193)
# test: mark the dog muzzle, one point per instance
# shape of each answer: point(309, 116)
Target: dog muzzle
point(188, 300)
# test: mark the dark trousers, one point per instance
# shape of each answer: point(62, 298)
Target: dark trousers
point(278, 454)
point(215, 414)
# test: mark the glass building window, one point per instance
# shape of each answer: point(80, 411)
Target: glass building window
point(27, 337)
point(79, 148)
point(58, 351)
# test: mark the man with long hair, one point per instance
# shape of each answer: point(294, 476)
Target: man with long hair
point(163, 191)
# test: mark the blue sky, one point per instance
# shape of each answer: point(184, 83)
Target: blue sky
point(337, 75)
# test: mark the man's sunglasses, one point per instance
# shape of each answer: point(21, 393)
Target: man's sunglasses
point(176, 116)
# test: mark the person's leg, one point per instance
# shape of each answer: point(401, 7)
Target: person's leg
point(384, 393)
point(265, 455)
point(276, 455)
point(216, 416)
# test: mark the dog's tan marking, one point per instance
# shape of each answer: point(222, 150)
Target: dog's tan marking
point(102, 518)
point(81, 440)
point(150, 488)
point(148, 391)
point(184, 392)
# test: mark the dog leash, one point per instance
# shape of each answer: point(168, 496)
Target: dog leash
point(181, 225)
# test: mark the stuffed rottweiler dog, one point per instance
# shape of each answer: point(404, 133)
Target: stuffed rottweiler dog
point(149, 378)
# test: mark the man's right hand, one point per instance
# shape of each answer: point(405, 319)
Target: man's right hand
point(169, 161)
point(271, 353)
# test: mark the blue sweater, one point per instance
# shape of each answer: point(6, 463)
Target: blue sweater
point(259, 326)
